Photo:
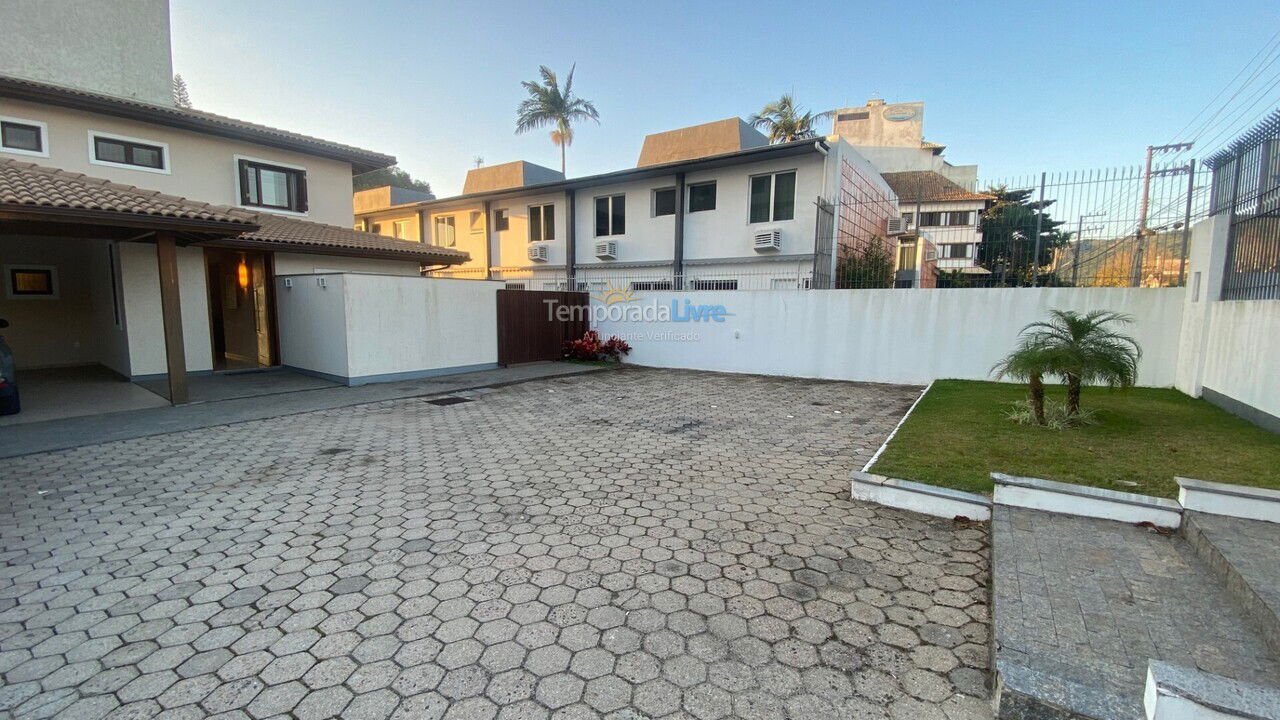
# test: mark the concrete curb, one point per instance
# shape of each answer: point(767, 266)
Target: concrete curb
point(1068, 499)
point(918, 497)
point(1231, 500)
point(1180, 693)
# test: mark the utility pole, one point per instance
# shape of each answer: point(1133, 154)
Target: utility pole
point(1136, 276)
point(1075, 259)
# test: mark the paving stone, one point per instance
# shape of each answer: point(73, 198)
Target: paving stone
point(645, 543)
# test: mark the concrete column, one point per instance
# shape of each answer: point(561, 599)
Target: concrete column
point(171, 313)
point(1207, 262)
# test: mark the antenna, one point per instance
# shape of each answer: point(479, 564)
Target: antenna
point(478, 161)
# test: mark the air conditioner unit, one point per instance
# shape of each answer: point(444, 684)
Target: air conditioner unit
point(768, 240)
point(896, 226)
point(607, 250)
point(538, 252)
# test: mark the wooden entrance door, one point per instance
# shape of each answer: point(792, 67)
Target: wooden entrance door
point(241, 309)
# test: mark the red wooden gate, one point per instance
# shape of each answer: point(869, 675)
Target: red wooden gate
point(531, 329)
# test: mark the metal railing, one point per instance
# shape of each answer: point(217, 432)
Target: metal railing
point(1246, 187)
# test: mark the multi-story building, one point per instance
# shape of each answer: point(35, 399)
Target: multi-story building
point(145, 238)
point(712, 206)
point(938, 200)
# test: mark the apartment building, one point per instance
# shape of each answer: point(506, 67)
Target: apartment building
point(938, 201)
point(712, 206)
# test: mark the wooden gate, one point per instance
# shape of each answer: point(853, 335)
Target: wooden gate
point(532, 329)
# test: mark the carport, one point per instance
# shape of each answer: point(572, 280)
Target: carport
point(62, 238)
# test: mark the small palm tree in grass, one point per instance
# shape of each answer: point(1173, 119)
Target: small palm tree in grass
point(1078, 347)
point(550, 106)
point(1030, 362)
point(782, 120)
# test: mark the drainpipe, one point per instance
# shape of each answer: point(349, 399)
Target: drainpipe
point(570, 239)
point(488, 244)
point(677, 259)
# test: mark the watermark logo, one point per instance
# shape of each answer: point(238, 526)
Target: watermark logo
point(614, 295)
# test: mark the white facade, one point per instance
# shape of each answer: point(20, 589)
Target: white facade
point(718, 242)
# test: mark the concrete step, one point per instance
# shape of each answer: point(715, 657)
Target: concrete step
point(1243, 553)
point(1082, 605)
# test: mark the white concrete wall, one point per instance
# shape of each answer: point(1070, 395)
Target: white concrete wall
point(49, 332)
point(893, 336)
point(201, 167)
point(312, 319)
point(301, 264)
point(118, 47)
point(367, 328)
point(1241, 354)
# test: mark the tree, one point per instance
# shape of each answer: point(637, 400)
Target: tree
point(549, 106)
point(181, 97)
point(1008, 247)
point(782, 121)
point(393, 176)
point(868, 266)
point(1079, 348)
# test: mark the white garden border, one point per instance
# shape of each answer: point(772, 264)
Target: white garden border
point(918, 497)
point(1239, 501)
point(1068, 499)
point(885, 444)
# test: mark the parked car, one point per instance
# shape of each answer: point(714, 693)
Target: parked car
point(9, 404)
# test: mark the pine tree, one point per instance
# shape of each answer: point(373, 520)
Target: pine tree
point(181, 97)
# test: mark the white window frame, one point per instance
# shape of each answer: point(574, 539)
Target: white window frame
point(773, 192)
point(165, 157)
point(610, 197)
point(542, 221)
point(653, 201)
point(235, 180)
point(53, 282)
point(397, 226)
point(688, 200)
point(44, 137)
point(435, 229)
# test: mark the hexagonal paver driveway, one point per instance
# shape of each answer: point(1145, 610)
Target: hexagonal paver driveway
point(639, 543)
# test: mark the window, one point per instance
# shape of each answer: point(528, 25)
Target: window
point(956, 250)
point(908, 217)
point(702, 196)
point(714, 285)
point(791, 283)
point(514, 286)
point(23, 137)
point(400, 229)
point(664, 202)
point(931, 219)
point(445, 231)
point(650, 285)
point(35, 282)
point(128, 152)
point(272, 186)
point(962, 217)
point(907, 256)
point(844, 117)
point(773, 197)
point(477, 221)
point(542, 223)
point(611, 215)
point(500, 220)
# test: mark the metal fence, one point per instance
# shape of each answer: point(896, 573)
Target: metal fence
point(1246, 187)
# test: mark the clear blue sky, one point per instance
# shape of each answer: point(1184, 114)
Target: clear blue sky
point(1016, 88)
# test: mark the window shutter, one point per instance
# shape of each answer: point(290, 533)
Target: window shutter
point(244, 182)
point(302, 191)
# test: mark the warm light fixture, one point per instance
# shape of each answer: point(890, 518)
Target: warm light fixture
point(242, 274)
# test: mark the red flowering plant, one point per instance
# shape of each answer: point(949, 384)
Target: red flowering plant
point(591, 347)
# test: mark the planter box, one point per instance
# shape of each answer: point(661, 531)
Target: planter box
point(1069, 499)
point(918, 497)
point(1232, 500)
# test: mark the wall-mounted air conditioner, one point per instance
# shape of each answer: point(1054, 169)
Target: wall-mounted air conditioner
point(538, 252)
point(767, 240)
point(607, 250)
point(896, 226)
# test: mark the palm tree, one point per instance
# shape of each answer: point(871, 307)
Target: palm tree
point(1079, 348)
point(782, 121)
point(1030, 362)
point(549, 106)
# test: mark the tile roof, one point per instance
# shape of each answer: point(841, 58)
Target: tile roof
point(35, 186)
point(928, 186)
point(284, 232)
point(189, 119)
point(24, 186)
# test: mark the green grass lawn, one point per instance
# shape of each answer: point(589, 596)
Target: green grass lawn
point(959, 434)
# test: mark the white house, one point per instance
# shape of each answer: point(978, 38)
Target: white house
point(713, 206)
point(144, 238)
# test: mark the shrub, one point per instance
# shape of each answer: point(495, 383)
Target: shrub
point(590, 347)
